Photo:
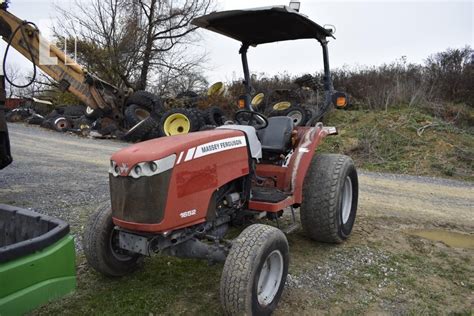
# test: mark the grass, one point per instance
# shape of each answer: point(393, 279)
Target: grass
point(165, 286)
point(395, 141)
point(420, 279)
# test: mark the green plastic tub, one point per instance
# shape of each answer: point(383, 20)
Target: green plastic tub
point(37, 260)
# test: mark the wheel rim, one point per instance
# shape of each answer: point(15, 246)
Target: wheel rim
point(176, 123)
point(89, 110)
point(142, 114)
point(346, 200)
point(216, 89)
point(280, 106)
point(257, 99)
point(296, 116)
point(270, 278)
point(61, 123)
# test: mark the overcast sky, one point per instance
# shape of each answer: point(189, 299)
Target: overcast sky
point(367, 33)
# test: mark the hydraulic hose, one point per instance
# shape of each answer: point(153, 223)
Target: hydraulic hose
point(21, 28)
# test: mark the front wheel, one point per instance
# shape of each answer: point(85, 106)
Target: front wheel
point(255, 271)
point(330, 195)
point(100, 242)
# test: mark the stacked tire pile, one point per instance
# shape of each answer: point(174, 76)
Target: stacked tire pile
point(300, 114)
point(146, 117)
point(61, 119)
point(296, 107)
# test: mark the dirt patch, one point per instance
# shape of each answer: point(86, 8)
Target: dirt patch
point(450, 238)
point(380, 270)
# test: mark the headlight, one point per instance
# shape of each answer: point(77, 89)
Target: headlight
point(114, 168)
point(138, 170)
point(152, 165)
point(151, 168)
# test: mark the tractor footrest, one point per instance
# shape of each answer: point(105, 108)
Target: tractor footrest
point(291, 228)
point(270, 195)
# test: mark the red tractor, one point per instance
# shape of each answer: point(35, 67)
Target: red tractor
point(179, 195)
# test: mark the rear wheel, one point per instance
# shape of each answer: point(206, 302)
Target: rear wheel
point(330, 195)
point(255, 271)
point(100, 242)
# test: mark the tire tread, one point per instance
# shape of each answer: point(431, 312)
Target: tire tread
point(319, 207)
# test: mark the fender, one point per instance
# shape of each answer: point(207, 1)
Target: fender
point(311, 137)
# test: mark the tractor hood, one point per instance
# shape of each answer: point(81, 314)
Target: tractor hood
point(262, 25)
point(175, 149)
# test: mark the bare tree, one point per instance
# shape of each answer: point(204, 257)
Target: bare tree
point(127, 42)
point(13, 72)
point(167, 29)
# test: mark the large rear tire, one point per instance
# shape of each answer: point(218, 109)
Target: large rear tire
point(146, 100)
point(255, 271)
point(215, 116)
point(134, 114)
point(100, 239)
point(330, 195)
point(140, 130)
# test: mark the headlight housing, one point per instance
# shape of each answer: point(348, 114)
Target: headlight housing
point(147, 168)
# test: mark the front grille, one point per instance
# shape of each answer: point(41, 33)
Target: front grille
point(139, 200)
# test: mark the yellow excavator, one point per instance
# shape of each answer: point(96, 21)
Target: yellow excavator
point(94, 92)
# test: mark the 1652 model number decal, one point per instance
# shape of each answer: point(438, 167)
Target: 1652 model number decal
point(187, 213)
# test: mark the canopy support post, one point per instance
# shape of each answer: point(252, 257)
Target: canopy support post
point(248, 87)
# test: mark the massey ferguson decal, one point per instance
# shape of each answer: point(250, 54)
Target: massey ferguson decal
point(212, 148)
point(220, 145)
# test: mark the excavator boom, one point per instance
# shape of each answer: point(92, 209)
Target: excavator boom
point(26, 39)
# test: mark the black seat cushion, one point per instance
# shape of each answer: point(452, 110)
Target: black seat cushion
point(276, 137)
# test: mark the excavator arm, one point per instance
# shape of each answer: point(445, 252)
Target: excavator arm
point(27, 40)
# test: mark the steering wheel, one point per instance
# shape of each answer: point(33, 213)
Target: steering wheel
point(251, 118)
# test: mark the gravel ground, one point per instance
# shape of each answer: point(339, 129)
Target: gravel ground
point(61, 175)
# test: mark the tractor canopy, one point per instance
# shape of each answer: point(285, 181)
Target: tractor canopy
point(262, 25)
point(271, 24)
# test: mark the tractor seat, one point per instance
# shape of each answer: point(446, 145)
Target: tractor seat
point(276, 137)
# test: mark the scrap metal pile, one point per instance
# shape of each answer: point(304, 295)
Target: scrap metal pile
point(147, 116)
